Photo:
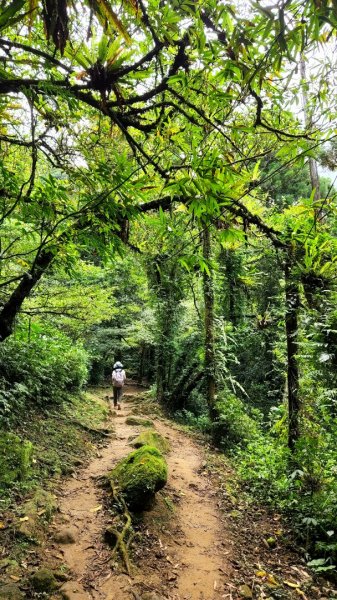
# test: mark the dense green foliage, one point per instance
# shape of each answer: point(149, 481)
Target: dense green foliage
point(160, 204)
point(39, 373)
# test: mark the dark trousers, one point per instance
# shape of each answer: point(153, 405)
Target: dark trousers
point(118, 392)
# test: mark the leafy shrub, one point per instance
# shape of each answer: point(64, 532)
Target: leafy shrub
point(262, 465)
point(233, 425)
point(39, 372)
point(303, 486)
point(200, 422)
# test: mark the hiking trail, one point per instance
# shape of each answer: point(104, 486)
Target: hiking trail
point(186, 557)
point(192, 544)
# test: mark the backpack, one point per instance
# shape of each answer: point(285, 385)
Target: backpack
point(117, 378)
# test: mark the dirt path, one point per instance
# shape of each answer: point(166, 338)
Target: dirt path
point(184, 549)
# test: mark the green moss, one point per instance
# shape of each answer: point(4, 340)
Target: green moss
point(39, 510)
point(11, 592)
point(139, 476)
point(44, 581)
point(89, 409)
point(139, 421)
point(152, 438)
point(15, 458)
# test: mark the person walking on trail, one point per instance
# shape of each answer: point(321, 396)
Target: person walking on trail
point(118, 380)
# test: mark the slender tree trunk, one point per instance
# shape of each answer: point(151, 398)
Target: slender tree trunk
point(13, 305)
point(141, 363)
point(164, 350)
point(291, 324)
point(313, 171)
point(209, 327)
point(160, 376)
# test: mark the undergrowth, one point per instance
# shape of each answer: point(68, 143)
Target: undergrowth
point(303, 486)
point(38, 373)
point(60, 441)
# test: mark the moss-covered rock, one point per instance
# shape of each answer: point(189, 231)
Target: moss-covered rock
point(15, 458)
point(152, 438)
point(139, 421)
point(44, 580)
point(139, 476)
point(11, 592)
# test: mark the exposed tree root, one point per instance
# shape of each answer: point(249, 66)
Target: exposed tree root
point(122, 538)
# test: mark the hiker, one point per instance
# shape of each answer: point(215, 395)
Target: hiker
point(118, 380)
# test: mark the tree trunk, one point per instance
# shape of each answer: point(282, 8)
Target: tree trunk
point(209, 327)
point(13, 305)
point(140, 374)
point(313, 171)
point(291, 324)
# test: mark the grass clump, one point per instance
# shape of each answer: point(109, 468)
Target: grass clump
point(15, 458)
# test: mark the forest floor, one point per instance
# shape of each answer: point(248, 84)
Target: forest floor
point(203, 539)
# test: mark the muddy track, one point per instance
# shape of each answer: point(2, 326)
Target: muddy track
point(184, 549)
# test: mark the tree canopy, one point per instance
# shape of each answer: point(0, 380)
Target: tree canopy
point(160, 200)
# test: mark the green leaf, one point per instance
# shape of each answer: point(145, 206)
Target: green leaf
point(7, 14)
point(103, 48)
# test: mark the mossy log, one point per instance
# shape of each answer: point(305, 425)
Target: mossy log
point(139, 421)
point(152, 438)
point(134, 482)
point(139, 476)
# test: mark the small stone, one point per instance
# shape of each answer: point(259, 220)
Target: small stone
point(11, 592)
point(43, 580)
point(73, 591)
point(66, 536)
point(151, 596)
point(245, 591)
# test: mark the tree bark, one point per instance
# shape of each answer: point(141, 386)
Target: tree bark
point(313, 171)
point(13, 305)
point(209, 326)
point(292, 299)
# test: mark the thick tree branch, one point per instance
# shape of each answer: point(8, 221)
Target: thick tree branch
point(29, 280)
point(10, 44)
point(260, 123)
